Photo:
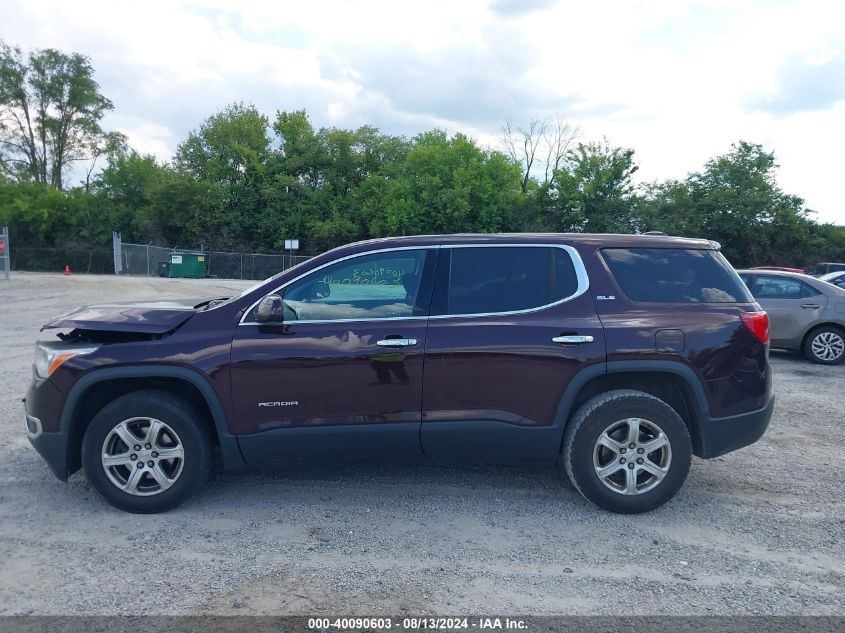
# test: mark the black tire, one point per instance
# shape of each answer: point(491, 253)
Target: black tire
point(595, 416)
point(191, 432)
point(834, 335)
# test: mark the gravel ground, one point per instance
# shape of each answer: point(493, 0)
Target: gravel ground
point(758, 531)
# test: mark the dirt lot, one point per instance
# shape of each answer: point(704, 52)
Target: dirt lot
point(758, 531)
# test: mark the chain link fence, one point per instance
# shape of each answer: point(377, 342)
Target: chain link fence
point(147, 260)
point(54, 260)
point(250, 265)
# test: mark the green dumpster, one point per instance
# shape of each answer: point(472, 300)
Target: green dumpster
point(191, 265)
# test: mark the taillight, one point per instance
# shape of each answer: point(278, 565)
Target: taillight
point(758, 323)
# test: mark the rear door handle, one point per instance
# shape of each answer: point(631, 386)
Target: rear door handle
point(814, 306)
point(572, 339)
point(396, 342)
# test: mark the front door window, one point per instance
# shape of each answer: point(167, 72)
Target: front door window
point(377, 286)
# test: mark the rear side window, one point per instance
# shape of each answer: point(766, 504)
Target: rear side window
point(773, 287)
point(675, 275)
point(495, 279)
point(498, 279)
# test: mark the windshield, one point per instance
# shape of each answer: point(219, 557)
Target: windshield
point(255, 286)
point(258, 285)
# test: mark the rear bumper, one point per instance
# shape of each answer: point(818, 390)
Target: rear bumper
point(718, 436)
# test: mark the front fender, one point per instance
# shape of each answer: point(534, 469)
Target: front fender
point(232, 458)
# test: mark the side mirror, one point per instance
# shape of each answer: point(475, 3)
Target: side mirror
point(270, 310)
point(320, 290)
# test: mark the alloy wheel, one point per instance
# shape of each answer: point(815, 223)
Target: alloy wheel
point(143, 456)
point(632, 456)
point(828, 346)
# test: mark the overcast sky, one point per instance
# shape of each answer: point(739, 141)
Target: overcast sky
point(678, 81)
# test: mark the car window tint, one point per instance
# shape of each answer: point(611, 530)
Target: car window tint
point(566, 280)
point(499, 279)
point(378, 286)
point(675, 275)
point(808, 291)
point(772, 287)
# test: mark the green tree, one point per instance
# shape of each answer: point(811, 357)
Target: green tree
point(128, 187)
point(736, 201)
point(318, 180)
point(443, 185)
point(743, 207)
point(237, 182)
point(352, 157)
point(668, 206)
point(294, 192)
point(228, 155)
point(35, 214)
point(50, 113)
point(593, 190)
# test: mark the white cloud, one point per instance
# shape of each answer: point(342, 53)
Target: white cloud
point(679, 81)
point(146, 137)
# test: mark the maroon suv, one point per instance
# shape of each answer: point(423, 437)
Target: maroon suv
point(621, 355)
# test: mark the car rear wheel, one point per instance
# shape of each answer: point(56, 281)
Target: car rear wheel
point(825, 345)
point(627, 451)
point(147, 451)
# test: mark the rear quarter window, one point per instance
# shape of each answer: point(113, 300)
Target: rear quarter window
point(675, 275)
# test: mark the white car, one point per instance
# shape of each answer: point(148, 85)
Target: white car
point(837, 278)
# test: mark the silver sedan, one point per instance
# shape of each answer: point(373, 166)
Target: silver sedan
point(805, 314)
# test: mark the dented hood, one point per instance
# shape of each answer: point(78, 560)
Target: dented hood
point(155, 317)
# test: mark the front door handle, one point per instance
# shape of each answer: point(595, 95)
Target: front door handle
point(813, 306)
point(397, 342)
point(572, 339)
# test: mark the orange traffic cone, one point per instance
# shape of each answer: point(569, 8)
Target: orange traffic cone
point(67, 269)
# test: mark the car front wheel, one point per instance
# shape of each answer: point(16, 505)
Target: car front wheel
point(147, 451)
point(627, 451)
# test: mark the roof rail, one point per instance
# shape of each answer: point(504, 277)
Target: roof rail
point(655, 233)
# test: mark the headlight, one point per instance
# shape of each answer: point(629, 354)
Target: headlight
point(48, 358)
